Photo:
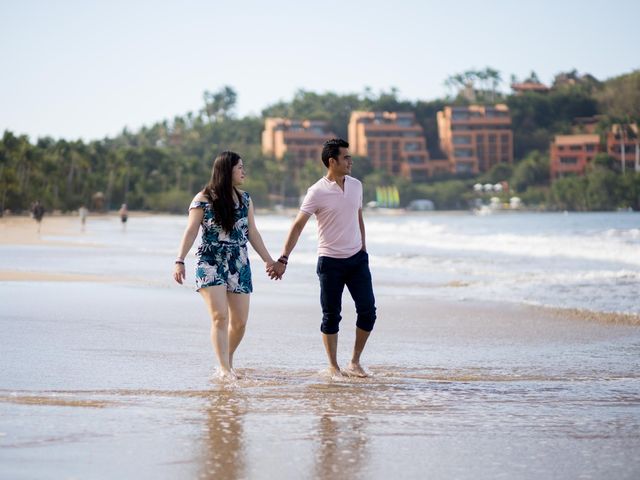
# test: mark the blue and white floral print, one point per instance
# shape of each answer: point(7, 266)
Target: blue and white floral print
point(222, 256)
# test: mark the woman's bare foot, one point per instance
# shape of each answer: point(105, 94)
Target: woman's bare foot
point(355, 370)
point(224, 374)
point(335, 372)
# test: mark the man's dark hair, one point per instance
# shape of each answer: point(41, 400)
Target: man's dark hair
point(331, 149)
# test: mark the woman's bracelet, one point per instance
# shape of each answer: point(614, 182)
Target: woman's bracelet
point(179, 262)
point(283, 260)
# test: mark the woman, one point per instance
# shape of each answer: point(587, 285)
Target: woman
point(223, 274)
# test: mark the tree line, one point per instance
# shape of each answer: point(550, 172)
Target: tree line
point(160, 167)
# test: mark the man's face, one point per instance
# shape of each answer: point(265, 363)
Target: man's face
point(342, 165)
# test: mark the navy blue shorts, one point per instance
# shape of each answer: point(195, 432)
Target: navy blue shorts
point(334, 274)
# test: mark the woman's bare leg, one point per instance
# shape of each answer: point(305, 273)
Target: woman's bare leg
point(238, 316)
point(216, 300)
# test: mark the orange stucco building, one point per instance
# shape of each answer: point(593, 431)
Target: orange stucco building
point(570, 154)
point(300, 140)
point(394, 142)
point(475, 137)
point(525, 87)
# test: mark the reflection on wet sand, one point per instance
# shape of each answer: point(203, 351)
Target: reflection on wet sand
point(342, 442)
point(223, 441)
point(48, 400)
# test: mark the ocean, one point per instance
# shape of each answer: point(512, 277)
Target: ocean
point(478, 371)
point(588, 261)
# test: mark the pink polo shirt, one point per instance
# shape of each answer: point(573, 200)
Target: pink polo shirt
point(337, 214)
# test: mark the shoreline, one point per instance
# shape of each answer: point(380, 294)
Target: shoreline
point(31, 276)
point(614, 318)
point(22, 231)
point(292, 211)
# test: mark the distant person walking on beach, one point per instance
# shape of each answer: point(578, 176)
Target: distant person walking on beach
point(83, 212)
point(336, 201)
point(124, 215)
point(37, 211)
point(223, 273)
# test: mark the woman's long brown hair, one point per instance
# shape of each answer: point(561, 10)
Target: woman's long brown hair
point(220, 190)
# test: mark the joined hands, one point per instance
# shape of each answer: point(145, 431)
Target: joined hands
point(276, 270)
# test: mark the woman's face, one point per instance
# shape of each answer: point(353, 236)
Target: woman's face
point(237, 174)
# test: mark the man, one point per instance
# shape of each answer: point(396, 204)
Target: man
point(336, 200)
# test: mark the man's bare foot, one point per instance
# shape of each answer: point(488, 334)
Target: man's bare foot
point(355, 370)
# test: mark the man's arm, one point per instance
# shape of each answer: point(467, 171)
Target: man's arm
point(292, 239)
point(294, 234)
point(362, 234)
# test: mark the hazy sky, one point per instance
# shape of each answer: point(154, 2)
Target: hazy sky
point(86, 69)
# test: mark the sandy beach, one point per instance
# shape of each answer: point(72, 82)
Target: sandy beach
point(107, 373)
point(23, 230)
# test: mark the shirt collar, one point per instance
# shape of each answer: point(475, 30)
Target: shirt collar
point(333, 182)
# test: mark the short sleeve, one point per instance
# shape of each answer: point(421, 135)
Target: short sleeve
point(195, 203)
point(310, 202)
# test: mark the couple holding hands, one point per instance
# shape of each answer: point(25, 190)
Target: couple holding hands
point(223, 273)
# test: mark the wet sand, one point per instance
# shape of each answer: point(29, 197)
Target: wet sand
point(114, 380)
point(23, 230)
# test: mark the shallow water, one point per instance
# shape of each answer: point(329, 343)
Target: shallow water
point(400, 425)
point(116, 379)
point(98, 384)
point(579, 260)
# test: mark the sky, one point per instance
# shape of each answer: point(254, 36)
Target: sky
point(88, 69)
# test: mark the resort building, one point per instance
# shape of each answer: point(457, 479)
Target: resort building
point(570, 154)
point(476, 137)
point(300, 140)
point(524, 87)
point(625, 141)
point(393, 141)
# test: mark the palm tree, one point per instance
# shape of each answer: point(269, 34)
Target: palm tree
point(449, 84)
point(218, 105)
point(469, 80)
point(482, 76)
point(533, 77)
point(495, 79)
point(637, 142)
point(629, 129)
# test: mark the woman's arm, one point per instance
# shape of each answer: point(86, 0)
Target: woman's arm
point(188, 237)
point(256, 239)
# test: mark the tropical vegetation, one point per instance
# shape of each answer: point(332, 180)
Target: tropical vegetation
point(160, 167)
